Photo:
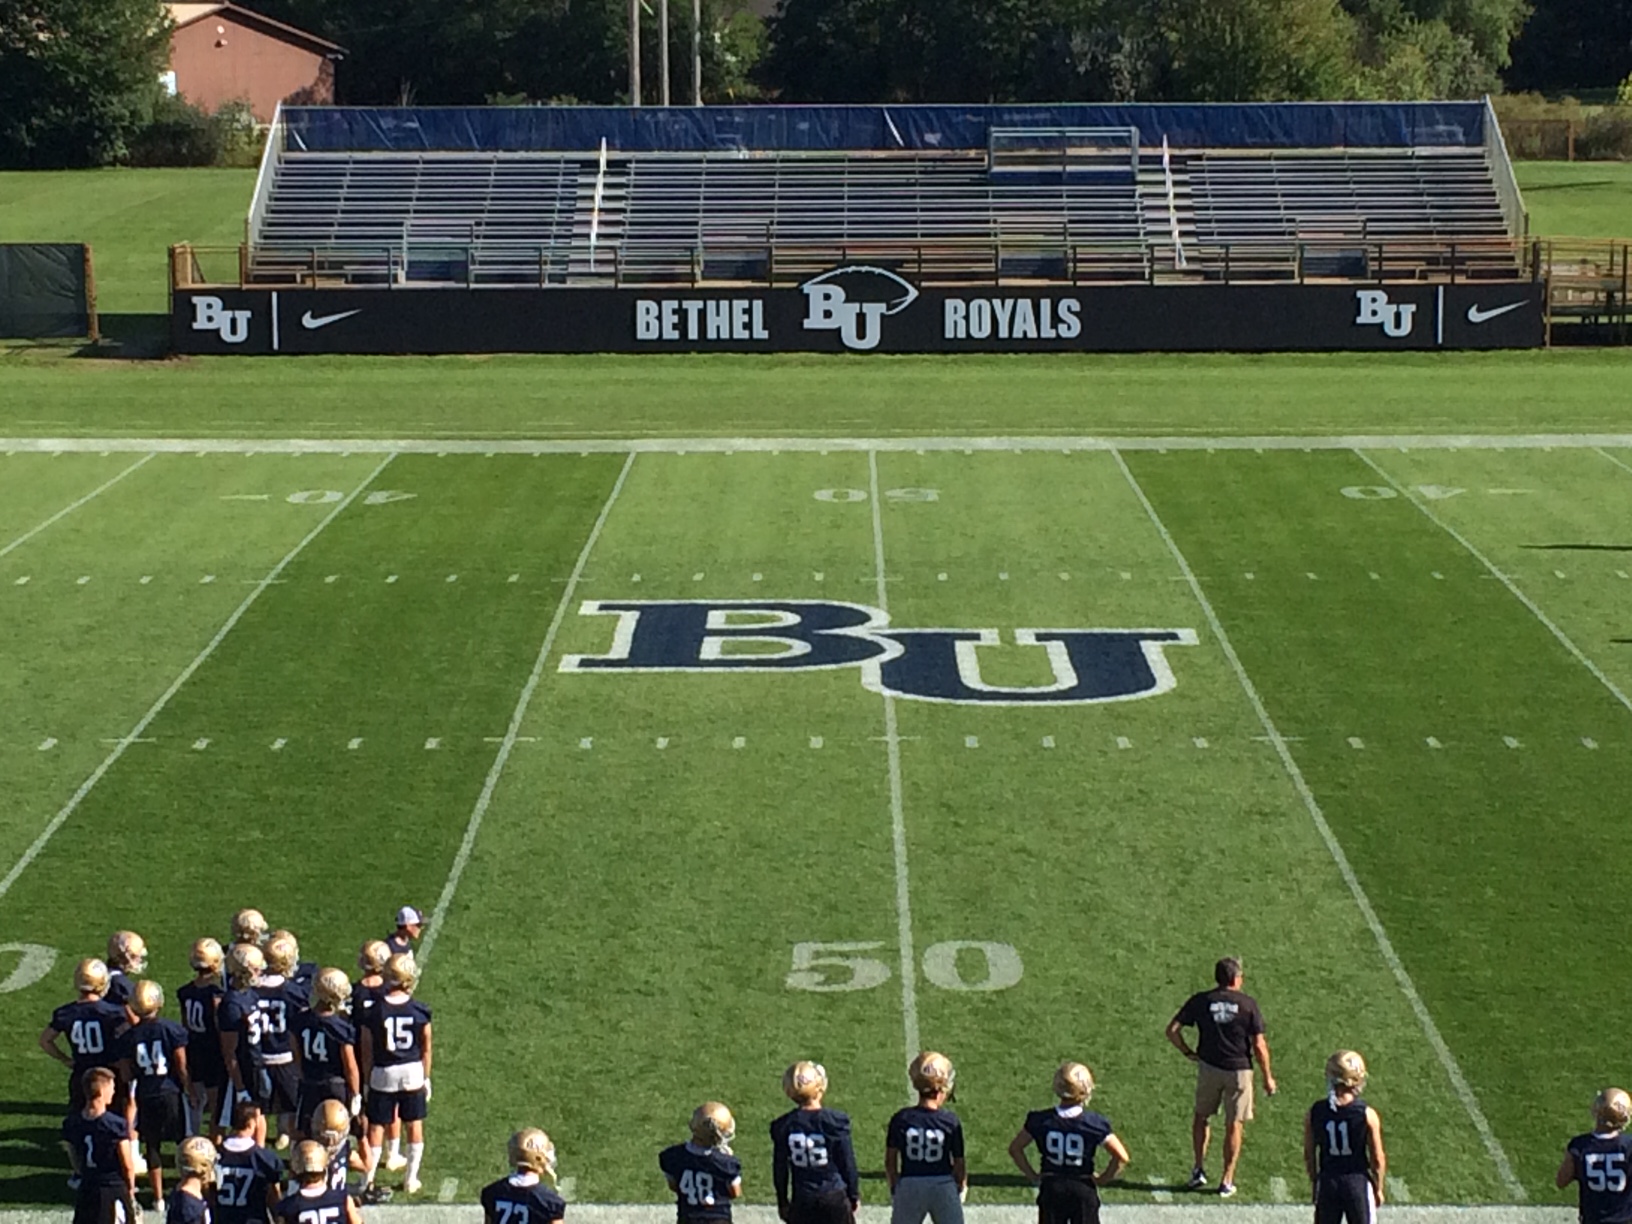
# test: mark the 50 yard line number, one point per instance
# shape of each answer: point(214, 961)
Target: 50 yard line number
point(834, 968)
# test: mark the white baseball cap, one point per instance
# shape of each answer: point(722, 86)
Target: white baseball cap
point(409, 916)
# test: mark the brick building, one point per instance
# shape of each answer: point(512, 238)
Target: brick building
point(222, 53)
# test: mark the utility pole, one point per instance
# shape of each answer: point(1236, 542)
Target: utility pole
point(696, 52)
point(663, 47)
point(634, 52)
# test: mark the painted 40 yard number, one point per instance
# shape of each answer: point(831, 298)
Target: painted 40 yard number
point(830, 968)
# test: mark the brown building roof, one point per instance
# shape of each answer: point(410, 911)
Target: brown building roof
point(186, 14)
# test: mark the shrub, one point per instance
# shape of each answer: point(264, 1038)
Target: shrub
point(181, 134)
point(1607, 136)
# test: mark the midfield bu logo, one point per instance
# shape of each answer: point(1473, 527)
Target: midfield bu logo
point(1377, 311)
point(854, 302)
point(742, 636)
point(211, 314)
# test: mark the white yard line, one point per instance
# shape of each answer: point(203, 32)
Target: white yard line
point(512, 734)
point(1618, 463)
point(108, 762)
point(898, 817)
point(1402, 976)
point(699, 446)
point(75, 505)
point(1563, 638)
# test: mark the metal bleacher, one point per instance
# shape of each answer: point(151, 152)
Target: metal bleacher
point(1054, 204)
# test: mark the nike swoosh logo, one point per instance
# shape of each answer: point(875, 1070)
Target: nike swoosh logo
point(312, 322)
point(1475, 315)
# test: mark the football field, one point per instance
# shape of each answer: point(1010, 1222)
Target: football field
point(631, 720)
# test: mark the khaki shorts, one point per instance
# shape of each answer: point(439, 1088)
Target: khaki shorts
point(1231, 1089)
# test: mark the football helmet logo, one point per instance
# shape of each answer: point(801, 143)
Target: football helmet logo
point(371, 957)
point(1612, 1110)
point(805, 1081)
point(401, 973)
point(91, 976)
point(532, 1152)
point(196, 1158)
point(1346, 1069)
point(931, 1073)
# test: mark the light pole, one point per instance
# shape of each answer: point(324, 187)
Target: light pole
point(663, 48)
point(634, 52)
point(696, 52)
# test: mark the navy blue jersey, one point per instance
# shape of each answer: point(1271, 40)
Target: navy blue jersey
point(91, 1026)
point(303, 979)
point(399, 944)
point(1342, 1139)
point(186, 1209)
point(702, 1180)
point(398, 1030)
point(243, 1171)
point(120, 987)
point(320, 1040)
point(198, 1004)
point(240, 1013)
point(151, 1048)
point(1067, 1140)
point(363, 999)
point(96, 1142)
point(327, 1206)
point(521, 1199)
point(811, 1154)
point(1602, 1165)
point(279, 1006)
point(339, 1165)
point(929, 1140)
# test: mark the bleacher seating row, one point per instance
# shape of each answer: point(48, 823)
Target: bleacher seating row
point(517, 218)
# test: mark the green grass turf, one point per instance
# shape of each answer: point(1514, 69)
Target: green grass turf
point(1577, 199)
point(619, 942)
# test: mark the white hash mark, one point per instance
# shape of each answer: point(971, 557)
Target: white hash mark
point(634, 577)
point(815, 741)
point(277, 744)
point(23, 581)
point(1588, 742)
point(432, 744)
point(389, 578)
point(1559, 574)
point(47, 744)
point(698, 577)
point(662, 741)
point(452, 578)
point(1200, 741)
point(206, 580)
point(1433, 742)
point(1003, 576)
point(820, 575)
point(450, 1187)
point(587, 742)
point(941, 577)
point(739, 741)
point(971, 741)
point(1356, 742)
point(354, 743)
point(1123, 741)
point(1375, 576)
point(1249, 575)
point(1048, 741)
point(201, 743)
point(514, 578)
point(1511, 741)
point(1439, 575)
point(759, 577)
point(84, 579)
point(332, 579)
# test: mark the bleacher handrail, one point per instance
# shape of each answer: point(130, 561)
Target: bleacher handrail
point(271, 155)
point(1501, 169)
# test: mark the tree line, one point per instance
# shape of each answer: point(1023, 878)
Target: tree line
point(79, 78)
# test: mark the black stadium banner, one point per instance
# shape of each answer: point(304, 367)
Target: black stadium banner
point(864, 310)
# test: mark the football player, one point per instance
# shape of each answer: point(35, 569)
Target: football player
point(365, 992)
point(283, 957)
point(315, 1200)
point(98, 1142)
point(247, 1173)
point(153, 1060)
point(195, 1166)
point(702, 1173)
point(331, 1126)
point(127, 959)
point(199, 1000)
point(1067, 1137)
point(248, 926)
point(1343, 1146)
point(239, 1022)
point(523, 1195)
point(326, 1050)
point(396, 1060)
point(1600, 1160)
point(923, 1149)
point(279, 1004)
point(410, 922)
point(813, 1162)
point(91, 1023)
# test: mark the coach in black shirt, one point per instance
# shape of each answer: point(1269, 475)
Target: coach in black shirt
point(1229, 1035)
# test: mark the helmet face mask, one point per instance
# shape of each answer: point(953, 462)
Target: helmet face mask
point(805, 1082)
point(332, 1125)
point(1074, 1083)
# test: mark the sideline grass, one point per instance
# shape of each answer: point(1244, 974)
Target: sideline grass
point(1577, 199)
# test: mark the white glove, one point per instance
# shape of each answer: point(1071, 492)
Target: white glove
point(356, 1104)
point(241, 1097)
point(427, 1088)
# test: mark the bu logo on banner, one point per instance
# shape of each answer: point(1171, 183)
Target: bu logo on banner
point(1375, 310)
point(854, 302)
point(743, 636)
point(211, 314)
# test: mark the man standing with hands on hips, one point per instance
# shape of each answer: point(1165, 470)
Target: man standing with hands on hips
point(1229, 1037)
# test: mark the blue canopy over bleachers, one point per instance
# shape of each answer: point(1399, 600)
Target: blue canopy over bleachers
point(1293, 125)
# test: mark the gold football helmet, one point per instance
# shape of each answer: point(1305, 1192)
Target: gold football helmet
point(309, 1158)
point(245, 963)
point(532, 1150)
point(372, 956)
point(1346, 1069)
point(249, 926)
point(91, 976)
point(931, 1073)
point(332, 1124)
point(805, 1081)
point(206, 956)
point(127, 951)
point(282, 952)
point(147, 1000)
point(196, 1158)
point(1612, 1109)
point(712, 1126)
point(332, 989)
point(401, 973)
point(1074, 1083)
